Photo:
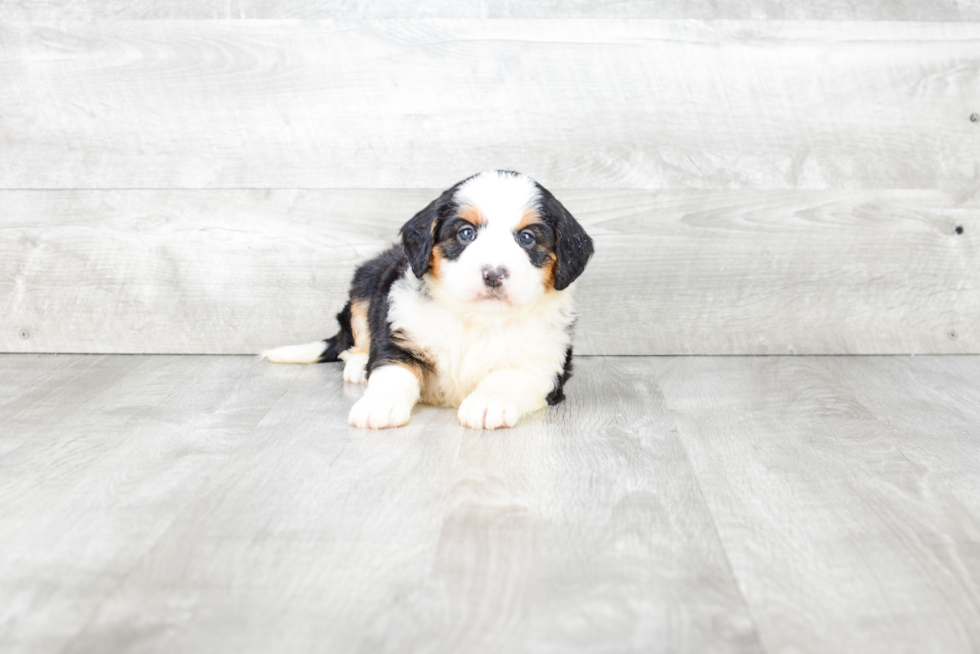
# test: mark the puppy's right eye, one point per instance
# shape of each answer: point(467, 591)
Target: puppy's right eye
point(466, 234)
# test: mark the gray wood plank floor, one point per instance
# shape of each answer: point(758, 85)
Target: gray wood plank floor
point(688, 504)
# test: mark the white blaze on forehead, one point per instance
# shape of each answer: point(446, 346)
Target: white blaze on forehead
point(501, 197)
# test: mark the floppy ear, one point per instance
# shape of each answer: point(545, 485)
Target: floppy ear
point(418, 234)
point(573, 247)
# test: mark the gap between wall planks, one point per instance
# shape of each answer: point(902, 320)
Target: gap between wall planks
point(422, 104)
point(679, 272)
point(940, 10)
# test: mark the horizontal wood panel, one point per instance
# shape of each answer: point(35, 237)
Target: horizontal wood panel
point(681, 272)
point(421, 104)
point(940, 10)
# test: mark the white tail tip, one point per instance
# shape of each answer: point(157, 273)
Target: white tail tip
point(307, 353)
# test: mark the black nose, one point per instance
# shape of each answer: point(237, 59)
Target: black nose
point(493, 277)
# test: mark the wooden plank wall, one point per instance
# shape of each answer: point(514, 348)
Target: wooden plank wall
point(176, 179)
point(938, 10)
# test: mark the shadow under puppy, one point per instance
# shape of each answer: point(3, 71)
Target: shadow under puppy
point(473, 309)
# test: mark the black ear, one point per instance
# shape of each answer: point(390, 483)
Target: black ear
point(573, 247)
point(418, 234)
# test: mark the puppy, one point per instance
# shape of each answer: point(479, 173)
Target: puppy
point(472, 310)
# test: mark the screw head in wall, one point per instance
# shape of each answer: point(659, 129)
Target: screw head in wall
point(953, 335)
point(24, 334)
point(975, 118)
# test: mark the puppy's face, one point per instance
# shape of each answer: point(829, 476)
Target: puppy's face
point(494, 252)
point(496, 243)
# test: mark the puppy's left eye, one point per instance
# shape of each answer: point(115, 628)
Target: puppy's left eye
point(466, 234)
point(526, 239)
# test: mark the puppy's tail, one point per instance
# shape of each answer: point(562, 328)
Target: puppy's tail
point(318, 351)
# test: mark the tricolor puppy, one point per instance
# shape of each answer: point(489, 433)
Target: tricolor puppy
point(473, 309)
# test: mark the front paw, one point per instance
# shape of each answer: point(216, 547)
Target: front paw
point(355, 368)
point(480, 411)
point(378, 412)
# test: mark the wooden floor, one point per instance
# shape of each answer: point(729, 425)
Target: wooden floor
point(692, 504)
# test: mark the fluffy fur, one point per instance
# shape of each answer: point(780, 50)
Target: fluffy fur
point(473, 309)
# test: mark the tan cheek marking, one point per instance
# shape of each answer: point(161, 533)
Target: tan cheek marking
point(435, 263)
point(359, 325)
point(531, 217)
point(472, 215)
point(549, 271)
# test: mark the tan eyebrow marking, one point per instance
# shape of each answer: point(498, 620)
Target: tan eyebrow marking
point(472, 215)
point(530, 217)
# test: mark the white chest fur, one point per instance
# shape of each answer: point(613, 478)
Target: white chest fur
point(465, 346)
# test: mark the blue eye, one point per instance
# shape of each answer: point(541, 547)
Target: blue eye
point(466, 234)
point(526, 239)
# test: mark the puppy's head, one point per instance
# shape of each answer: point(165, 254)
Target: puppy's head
point(496, 242)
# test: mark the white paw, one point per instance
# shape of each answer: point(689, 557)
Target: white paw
point(375, 411)
point(480, 411)
point(355, 370)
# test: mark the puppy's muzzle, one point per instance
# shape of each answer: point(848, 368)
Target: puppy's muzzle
point(494, 277)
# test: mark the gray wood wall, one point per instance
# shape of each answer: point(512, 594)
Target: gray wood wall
point(176, 179)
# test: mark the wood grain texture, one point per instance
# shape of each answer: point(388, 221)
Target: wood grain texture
point(315, 527)
point(944, 10)
point(683, 272)
point(307, 535)
point(421, 104)
point(947, 401)
point(692, 504)
point(580, 530)
point(838, 494)
point(40, 393)
point(92, 481)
